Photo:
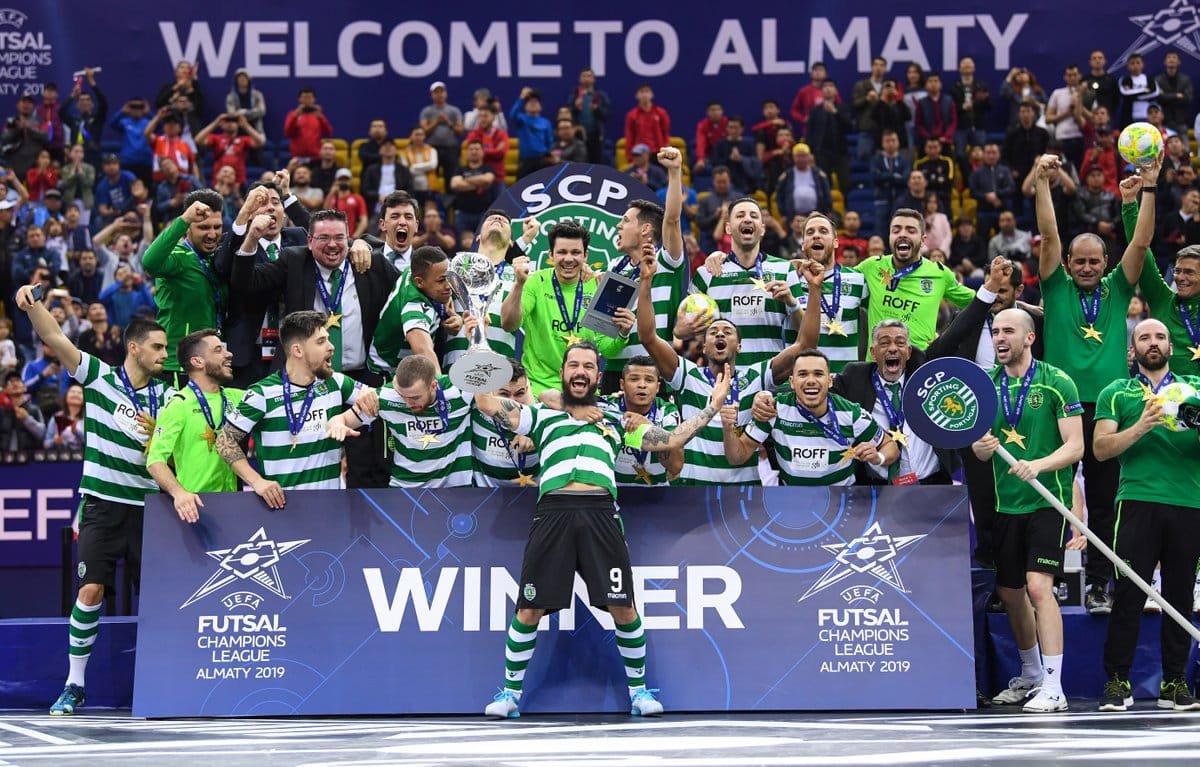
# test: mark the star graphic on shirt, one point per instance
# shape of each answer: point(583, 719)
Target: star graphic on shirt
point(1176, 26)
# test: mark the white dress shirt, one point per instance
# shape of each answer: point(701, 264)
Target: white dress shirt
point(917, 456)
point(354, 355)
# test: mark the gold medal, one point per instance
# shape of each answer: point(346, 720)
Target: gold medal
point(334, 320)
point(1147, 393)
point(428, 439)
point(210, 436)
point(295, 441)
point(1012, 436)
point(571, 338)
point(606, 430)
point(1090, 333)
point(759, 284)
point(643, 475)
point(899, 437)
point(525, 480)
point(885, 279)
point(847, 454)
point(1195, 350)
point(835, 328)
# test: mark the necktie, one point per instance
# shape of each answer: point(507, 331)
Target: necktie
point(893, 471)
point(272, 251)
point(335, 332)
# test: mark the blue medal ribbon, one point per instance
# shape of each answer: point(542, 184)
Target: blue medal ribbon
point(151, 396)
point(573, 321)
point(443, 411)
point(641, 455)
point(332, 305)
point(831, 429)
point(518, 459)
point(735, 387)
point(296, 423)
point(212, 281)
point(897, 276)
point(1012, 413)
point(895, 417)
point(1167, 380)
point(833, 307)
point(205, 410)
point(624, 263)
point(1091, 306)
point(1191, 326)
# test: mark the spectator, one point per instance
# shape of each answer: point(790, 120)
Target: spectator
point(343, 199)
point(247, 101)
point(45, 379)
point(1021, 87)
point(1154, 116)
point(189, 120)
point(913, 196)
point(852, 257)
point(863, 98)
point(1103, 155)
point(876, 246)
point(228, 147)
point(1178, 229)
point(34, 255)
point(102, 339)
point(936, 115)
point(171, 192)
point(809, 97)
point(710, 204)
point(1065, 112)
point(889, 175)
point(78, 179)
point(737, 153)
point(850, 234)
point(1014, 244)
point(494, 139)
point(1137, 90)
point(22, 425)
point(170, 145)
point(1024, 142)
point(22, 139)
point(1102, 89)
point(225, 184)
point(647, 123)
point(792, 246)
point(135, 155)
point(804, 188)
point(974, 102)
point(41, 177)
point(125, 252)
point(422, 161)
point(127, 297)
point(567, 148)
point(323, 171)
point(434, 231)
point(369, 150)
point(64, 431)
point(891, 113)
point(86, 280)
point(938, 235)
point(311, 197)
point(644, 171)
point(444, 128)
point(828, 125)
point(994, 189)
point(83, 116)
point(776, 160)
point(1175, 158)
point(939, 171)
point(1185, 180)
point(185, 84)
point(483, 101)
point(968, 251)
point(533, 132)
point(589, 109)
point(306, 125)
point(1175, 94)
point(385, 176)
point(766, 130)
point(1096, 209)
point(710, 130)
point(48, 119)
point(912, 93)
point(78, 236)
point(8, 349)
point(475, 187)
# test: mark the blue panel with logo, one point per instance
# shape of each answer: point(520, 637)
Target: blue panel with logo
point(393, 601)
point(950, 402)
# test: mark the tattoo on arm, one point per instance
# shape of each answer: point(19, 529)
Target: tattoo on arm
point(227, 444)
point(656, 439)
point(510, 411)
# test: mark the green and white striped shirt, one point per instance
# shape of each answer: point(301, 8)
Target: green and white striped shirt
point(494, 467)
point(704, 461)
point(763, 323)
point(573, 450)
point(666, 415)
point(445, 462)
point(841, 349)
point(114, 461)
point(501, 341)
point(315, 463)
point(666, 291)
point(806, 455)
point(407, 308)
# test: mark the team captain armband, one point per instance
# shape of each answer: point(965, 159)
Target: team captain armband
point(1071, 408)
point(633, 439)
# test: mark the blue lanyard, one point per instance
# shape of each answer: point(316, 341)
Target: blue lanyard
point(831, 429)
point(833, 308)
point(895, 283)
point(735, 387)
point(572, 321)
point(895, 416)
point(652, 417)
point(625, 262)
point(443, 411)
point(518, 459)
point(212, 281)
point(1091, 305)
point(205, 410)
point(1191, 326)
point(151, 396)
point(758, 265)
point(335, 304)
point(1012, 413)
point(296, 423)
point(1167, 380)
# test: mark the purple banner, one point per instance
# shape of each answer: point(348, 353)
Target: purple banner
point(36, 501)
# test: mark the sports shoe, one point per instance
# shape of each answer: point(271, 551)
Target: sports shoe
point(643, 703)
point(503, 706)
point(1176, 695)
point(1117, 696)
point(72, 698)
point(1019, 688)
point(1046, 702)
point(1097, 601)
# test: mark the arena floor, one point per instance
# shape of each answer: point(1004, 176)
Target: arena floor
point(1083, 736)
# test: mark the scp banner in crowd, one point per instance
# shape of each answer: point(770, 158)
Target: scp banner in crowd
point(788, 598)
point(689, 52)
point(36, 501)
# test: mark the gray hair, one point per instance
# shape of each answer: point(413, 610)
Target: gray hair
point(889, 323)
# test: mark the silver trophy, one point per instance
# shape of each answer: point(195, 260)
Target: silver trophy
point(474, 283)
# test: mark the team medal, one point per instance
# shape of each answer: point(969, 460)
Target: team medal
point(892, 281)
point(1012, 413)
point(831, 429)
point(757, 280)
point(428, 438)
point(151, 399)
point(571, 322)
point(832, 309)
point(1193, 330)
point(296, 422)
point(519, 459)
point(332, 304)
point(895, 417)
point(640, 456)
point(1091, 312)
point(1151, 392)
point(210, 430)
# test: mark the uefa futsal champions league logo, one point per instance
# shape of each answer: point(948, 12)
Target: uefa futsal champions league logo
point(872, 554)
point(256, 561)
point(1177, 26)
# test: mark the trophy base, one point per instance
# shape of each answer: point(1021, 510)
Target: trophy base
point(481, 370)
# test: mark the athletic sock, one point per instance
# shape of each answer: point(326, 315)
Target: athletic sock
point(1031, 663)
point(85, 622)
point(1052, 681)
point(631, 642)
point(518, 649)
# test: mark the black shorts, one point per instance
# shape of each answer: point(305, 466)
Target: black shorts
point(1028, 543)
point(571, 534)
point(109, 531)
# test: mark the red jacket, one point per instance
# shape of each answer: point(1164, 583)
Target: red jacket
point(229, 150)
point(650, 127)
point(305, 131)
point(495, 149)
point(1107, 161)
point(707, 136)
point(38, 182)
point(806, 98)
point(351, 204)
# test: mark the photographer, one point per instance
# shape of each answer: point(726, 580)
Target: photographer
point(306, 125)
point(21, 140)
point(21, 424)
point(135, 155)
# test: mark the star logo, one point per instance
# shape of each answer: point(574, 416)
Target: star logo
point(873, 553)
point(255, 560)
point(1176, 26)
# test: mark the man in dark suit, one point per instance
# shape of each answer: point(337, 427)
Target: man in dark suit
point(398, 178)
point(317, 276)
point(893, 361)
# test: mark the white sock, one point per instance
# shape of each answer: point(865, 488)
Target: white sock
point(1052, 681)
point(78, 667)
point(1031, 663)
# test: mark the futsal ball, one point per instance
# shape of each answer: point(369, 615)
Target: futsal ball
point(699, 309)
point(1140, 144)
point(1170, 398)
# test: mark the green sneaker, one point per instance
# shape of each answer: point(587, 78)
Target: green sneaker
point(72, 698)
point(1175, 695)
point(1117, 696)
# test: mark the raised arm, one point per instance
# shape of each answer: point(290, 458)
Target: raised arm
point(47, 329)
point(810, 323)
point(657, 439)
point(1051, 258)
point(512, 310)
point(672, 237)
point(664, 356)
point(1134, 258)
point(507, 410)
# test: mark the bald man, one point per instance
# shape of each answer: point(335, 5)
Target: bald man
point(1038, 423)
point(1158, 517)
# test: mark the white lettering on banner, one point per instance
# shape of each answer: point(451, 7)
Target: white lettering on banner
point(281, 49)
point(502, 593)
point(43, 514)
point(537, 199)
point(7, 513)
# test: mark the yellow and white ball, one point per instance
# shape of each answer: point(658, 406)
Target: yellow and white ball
point(699, 309)
point(1170, 398)
point(1140, 144)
